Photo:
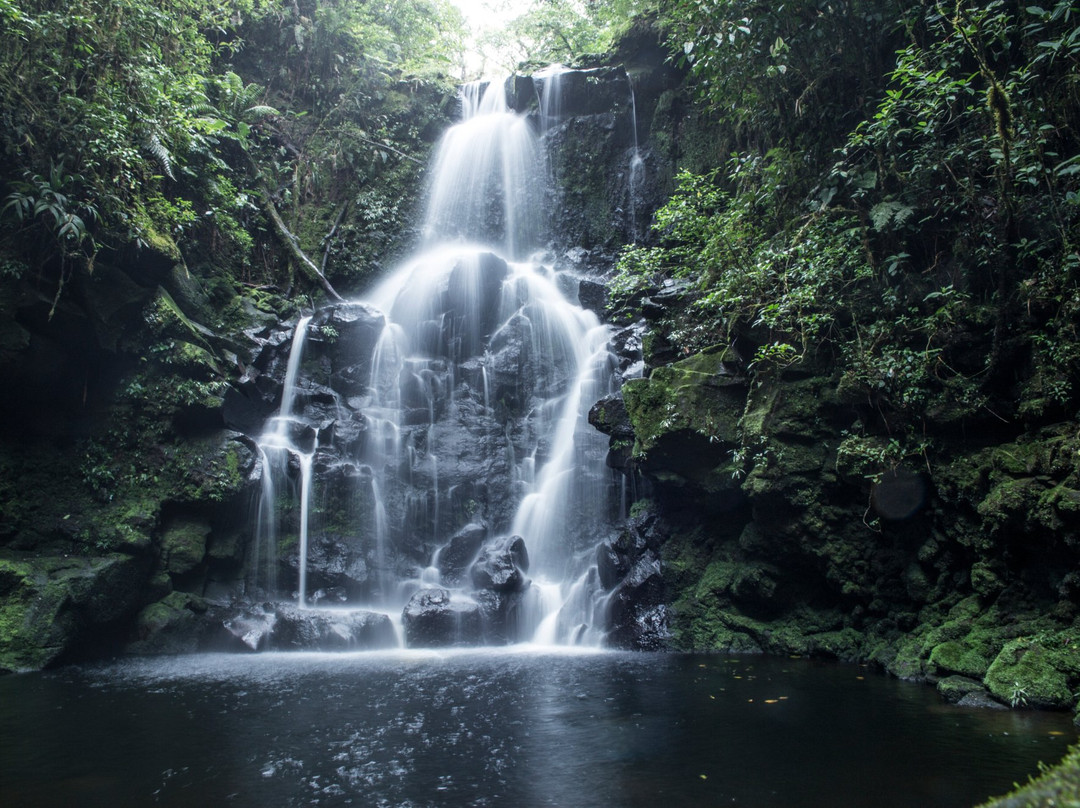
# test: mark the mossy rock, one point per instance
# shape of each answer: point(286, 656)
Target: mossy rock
point(50, 604)
point(696, 395)
point(961, 657)
point(173, 625)
point(954, 688)
point(183, 543)
point(909, 659)
point(1026, 672)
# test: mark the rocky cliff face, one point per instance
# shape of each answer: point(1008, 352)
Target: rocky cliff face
point(960, 571)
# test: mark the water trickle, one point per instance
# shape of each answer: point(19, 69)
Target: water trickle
point(548, 85)
point(472, 420)
point(636, 179)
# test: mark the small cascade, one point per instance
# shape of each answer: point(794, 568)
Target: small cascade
point(636, 178)
point(441, 466)
point(286, 445)
point(548, 86)
point(262, 575)
point(305, 521)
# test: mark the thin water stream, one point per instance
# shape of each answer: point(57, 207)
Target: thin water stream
point(525, 727)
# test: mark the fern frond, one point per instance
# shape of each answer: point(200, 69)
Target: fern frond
point(260, 111)
point(160, 153)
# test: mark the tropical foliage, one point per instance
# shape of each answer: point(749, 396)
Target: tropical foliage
point(127, 122)
point(915, 227)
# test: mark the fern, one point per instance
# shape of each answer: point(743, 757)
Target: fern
point(260, 111)
point(890, 213)
point(160, 153)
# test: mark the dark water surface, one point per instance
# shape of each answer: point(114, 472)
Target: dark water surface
point(503, 728)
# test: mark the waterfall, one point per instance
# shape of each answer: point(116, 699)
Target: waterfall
point(464, 409)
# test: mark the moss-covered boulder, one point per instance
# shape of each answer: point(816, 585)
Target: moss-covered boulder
point(49, 604)
point(1040, 672)
point(685, 419)
point(183, 543)
point(173, 625)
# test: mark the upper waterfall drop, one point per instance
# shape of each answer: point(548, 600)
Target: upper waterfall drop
point(486, 183)
point(436, 446)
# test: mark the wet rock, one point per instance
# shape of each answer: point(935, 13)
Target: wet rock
point(250, 401)
point(178, 624)
point(458, 554)
point(435, 618)
point(501, 565)
point(345, 436)
point(593, 296)
point(610, 565)
point(510, 364)
point(185, 623)
point(593, 91)
point(500, 616)
point(332, 563)
point(609, 416)
point(472, 297)
point(638, 615)
point(626, 344)
point(345, 332)
point(330, 630)
point(955, 688)
point(252, 627)
point(51, 605)
point(981, 699)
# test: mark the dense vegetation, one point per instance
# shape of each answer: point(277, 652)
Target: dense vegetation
point(136, 124)
point(909, 218)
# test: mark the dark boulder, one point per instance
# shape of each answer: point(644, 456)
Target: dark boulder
point(436, 618)
point(609, 416)
point(611, 565)
point(500, 616)
point(346, 332)
point(501, 565)
point(459, 553)
point(332, 564)
point(331, 630)
point(637, 611)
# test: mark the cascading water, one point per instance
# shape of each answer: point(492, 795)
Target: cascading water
point(479, 492)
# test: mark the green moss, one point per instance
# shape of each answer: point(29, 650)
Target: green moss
point(169, 626)
point(183, 544)
point(692, 395)
point(962, 657)
point(1039, 672)
point(49, 600)
point(954, 688)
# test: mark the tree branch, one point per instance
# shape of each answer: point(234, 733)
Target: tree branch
point(309, 267)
